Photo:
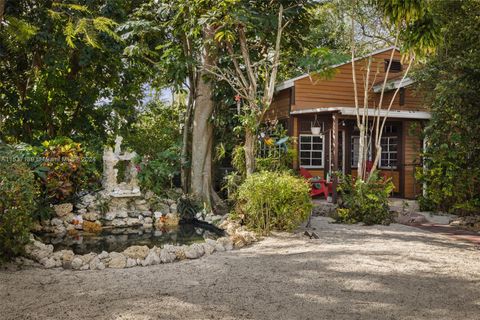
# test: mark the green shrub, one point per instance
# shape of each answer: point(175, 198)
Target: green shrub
point(156, 174)
point(17, 202)
point(273, 200)
point(64, 169)
point(362, 201)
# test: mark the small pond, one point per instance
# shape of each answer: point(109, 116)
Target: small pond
point(119, 239)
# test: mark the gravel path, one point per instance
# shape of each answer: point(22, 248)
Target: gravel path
point(351, 272)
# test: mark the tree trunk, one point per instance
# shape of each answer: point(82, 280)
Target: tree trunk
point(249, 151)
point(202, 133)
point(186, 146)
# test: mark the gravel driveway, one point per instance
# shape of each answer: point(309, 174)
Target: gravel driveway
point(351, 272)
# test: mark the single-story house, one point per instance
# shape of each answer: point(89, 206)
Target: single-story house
point(312, 100)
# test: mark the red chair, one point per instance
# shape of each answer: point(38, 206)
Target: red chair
point(314, 189)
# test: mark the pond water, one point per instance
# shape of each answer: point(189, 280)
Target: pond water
point(119, 239)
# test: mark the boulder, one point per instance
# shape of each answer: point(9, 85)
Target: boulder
point(37, 250)
point(166, 256)
point(151, 259)
point(208, 248)
point(103, 255)
point(77, 263)
point(117, 260)
point(56, 222)
point(133, 222)
point(63, 209)
point(226, 243)
point(131, 263)
point(92, 227)
point(48, 263)
point(88, 257)
point(180, 252)
point(119, 223)
point(110, 215)
point(96, 264)
point(147, 213)
point(90, 216)
point(194, 251)
point(136, 252)
point(67, 255)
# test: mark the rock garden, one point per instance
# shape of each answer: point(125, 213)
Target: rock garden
point(120, 210)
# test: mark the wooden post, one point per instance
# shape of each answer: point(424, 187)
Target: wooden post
point(335, 156)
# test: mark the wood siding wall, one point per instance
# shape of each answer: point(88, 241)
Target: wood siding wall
point(338, 90)
point(280, 108)
point(412, 150)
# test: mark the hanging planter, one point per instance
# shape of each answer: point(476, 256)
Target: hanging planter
point(316, 127)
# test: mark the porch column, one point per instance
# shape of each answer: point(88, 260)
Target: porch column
point(334, 165)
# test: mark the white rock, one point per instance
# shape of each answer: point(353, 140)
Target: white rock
point(148, 220)
point(103, 255)
point(90, 216)
point(157, 215)
point(226, 243)
point(194, 251)
point(151, 259)
point(77, 263)
point(209, 249)
point(117, 260)
point(119, 223)
point(96, 264)
point(173, 208)
point(122, 214)
point(136, 252)
point(147, 213)
point(88, 257)
point(110, 215)
point(63, 209)
point(48, 263)
point(133, 222)
point(56, 222)
point(85, 267)
point(131, 263)
point(166, 256)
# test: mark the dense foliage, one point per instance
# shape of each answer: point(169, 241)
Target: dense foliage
point(64, 167)
point(362, 201)
point(62, 70)
point(17, 202)
point(451, 82)
point(156, 138)
point(273, 201)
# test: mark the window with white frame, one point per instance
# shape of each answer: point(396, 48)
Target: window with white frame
point(311, 150)
point(389, 159)
point(355, 149)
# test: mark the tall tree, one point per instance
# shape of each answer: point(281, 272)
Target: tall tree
point(62, 69)
point(173, 39)
point(407, 24)
point(252, 35)
point(451, 82)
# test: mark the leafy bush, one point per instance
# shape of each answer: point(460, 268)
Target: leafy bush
point(364, 201)
point(156, 175)
point(156, 137)
point(64, 168)
point(17, 201)
point(273, 200)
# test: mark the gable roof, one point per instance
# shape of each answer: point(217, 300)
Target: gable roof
point(290, 82)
